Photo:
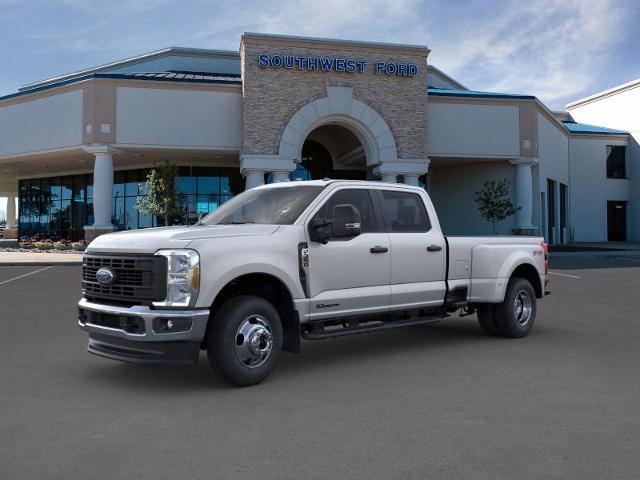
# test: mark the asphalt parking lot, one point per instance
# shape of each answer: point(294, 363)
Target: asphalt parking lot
point(439, 401)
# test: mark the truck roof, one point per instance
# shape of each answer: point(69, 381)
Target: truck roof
point(327, 181)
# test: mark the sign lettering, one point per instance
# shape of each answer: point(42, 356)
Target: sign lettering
point(331, 64)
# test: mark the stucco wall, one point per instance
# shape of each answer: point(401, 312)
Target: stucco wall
point(271, 96)
point(590, 189)
point(198, 118)
point(553, 158)
point(42, 124)
point(453, 194)
point(620, 111)
point(465, 129)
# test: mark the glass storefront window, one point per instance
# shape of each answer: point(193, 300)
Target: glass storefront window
point(131, 214)
point(66, 188)
point(60, 207)
point(131, 185)
point(209, 185)
point(118, 184)
point(185, 185)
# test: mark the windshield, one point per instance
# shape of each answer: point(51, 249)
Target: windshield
point(271, 206)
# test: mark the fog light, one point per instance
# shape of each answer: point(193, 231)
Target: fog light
point(171, 325)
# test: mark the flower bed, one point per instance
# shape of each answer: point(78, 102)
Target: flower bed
point(40, 245)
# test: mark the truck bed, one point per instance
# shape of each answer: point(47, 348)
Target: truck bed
point(484, 264)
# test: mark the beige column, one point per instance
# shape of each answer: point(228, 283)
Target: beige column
point(253, 178)
point(280, 176)
point(389, 178)
point(411, 179)
point(11, 212)
point(524, 194)
point(102, 190)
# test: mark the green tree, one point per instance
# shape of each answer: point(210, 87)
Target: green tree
point(160, 199)
point(494, 202)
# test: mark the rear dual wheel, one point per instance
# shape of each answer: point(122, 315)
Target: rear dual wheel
point(515, 316)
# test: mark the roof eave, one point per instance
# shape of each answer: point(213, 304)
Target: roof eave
point(603, 94)
point(128, 61)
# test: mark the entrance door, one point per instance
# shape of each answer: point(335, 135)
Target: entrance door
point(334, 151)
point(551, 211)
point(617, 221)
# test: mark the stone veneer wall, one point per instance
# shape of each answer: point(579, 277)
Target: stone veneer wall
point(271, 96)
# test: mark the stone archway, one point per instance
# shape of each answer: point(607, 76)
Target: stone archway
point(340, 108)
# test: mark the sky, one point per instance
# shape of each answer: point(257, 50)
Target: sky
point(558, 50)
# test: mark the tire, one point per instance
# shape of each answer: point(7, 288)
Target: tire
point(253, 321)
point(515, 316)
point(486, 319)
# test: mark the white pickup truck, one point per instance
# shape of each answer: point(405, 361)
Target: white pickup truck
point(298, 260)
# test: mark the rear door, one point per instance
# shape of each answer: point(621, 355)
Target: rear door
point(350, 276)
point(417, 251)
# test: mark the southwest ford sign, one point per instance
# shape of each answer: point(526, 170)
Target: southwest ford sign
point(335, 64)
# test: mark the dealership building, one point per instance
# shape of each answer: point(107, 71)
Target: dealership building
point(74, 150)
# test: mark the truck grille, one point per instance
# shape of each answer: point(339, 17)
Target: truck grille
point(136, 278)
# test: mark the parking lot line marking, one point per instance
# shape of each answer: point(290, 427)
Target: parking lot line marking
point(564, 275)
point(25, 275)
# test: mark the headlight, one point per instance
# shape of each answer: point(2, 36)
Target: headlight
point(183, 278)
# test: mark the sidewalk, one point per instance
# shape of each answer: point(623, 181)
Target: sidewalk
point(609, 249)
point(37, 259)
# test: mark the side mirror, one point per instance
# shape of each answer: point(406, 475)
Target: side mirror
point(346, 221)
point(320, 230)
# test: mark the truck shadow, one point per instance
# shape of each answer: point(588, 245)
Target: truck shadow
point(419, 342)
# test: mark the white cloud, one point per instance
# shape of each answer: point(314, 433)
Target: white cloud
point(548, 48)
point(553, 49)
point(349, 19)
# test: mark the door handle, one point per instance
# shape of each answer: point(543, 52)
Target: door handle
point(378, 249)
point(434, 248)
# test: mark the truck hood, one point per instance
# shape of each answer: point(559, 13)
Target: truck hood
point(151, 239)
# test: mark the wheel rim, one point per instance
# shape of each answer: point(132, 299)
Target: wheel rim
point(522, 307)
point(254, 341)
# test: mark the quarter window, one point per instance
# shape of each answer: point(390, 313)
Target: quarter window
point(405, 212)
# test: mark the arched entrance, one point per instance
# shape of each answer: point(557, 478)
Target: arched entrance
point(336, 136)
point(333, 151)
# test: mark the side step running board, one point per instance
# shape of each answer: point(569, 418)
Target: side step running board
point(320, 332)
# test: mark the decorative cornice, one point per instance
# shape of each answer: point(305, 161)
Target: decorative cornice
point(524, 161)
point(101, 149)
point(313, 42)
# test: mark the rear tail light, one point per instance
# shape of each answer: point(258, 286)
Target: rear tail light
point(545, 249)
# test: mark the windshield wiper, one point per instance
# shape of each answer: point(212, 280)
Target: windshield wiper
point(235, 222)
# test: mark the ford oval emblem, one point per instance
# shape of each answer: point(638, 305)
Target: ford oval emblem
point(105, 276)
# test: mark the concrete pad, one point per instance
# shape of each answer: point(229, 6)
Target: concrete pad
point(34, 258)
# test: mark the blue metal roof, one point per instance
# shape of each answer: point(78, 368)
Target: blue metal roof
point(575, 127)
point(445, 92)
point(188, 77)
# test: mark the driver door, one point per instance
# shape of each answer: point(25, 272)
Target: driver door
point(350, 275)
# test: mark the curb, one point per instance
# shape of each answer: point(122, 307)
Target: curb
point(40, 264)
point(617, 253)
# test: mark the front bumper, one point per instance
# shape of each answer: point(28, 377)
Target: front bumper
point(139, 334)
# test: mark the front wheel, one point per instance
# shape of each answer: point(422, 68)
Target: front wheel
point(244, 340)
point(515, 316)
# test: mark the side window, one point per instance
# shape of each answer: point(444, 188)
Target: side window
point(405, 212)
point(360, 199)
point(616, 161)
